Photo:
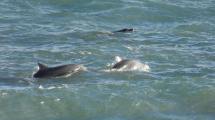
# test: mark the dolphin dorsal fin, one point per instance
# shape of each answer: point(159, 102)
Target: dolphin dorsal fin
point(118, 59)
point(42, 66)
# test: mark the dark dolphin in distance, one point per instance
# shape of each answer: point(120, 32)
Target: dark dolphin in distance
point(58, 71)
point(125, 30)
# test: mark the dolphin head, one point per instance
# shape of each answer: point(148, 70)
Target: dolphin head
point(129, 65)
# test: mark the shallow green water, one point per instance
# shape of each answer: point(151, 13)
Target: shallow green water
point(175, 38)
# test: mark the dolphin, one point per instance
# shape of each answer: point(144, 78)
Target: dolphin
point(125, 30)
point(129, 65)
point(58, 71)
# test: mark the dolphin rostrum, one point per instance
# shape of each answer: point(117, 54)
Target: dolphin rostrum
point(58, 71)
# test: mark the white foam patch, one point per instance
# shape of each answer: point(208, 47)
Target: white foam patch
point(51, 87)
point(57, 100)
point(41, 87)
point(140, 67)
point(42, 102)
point(137, 104)
point(65, 76)
point(129, 48)
point(4, 94)
point(118, 59)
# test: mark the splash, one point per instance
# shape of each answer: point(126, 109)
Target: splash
point(140, 67)
point(127, 65)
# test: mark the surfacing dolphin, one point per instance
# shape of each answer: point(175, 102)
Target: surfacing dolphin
point(124, 30)
point(129, 65)
point(58, 71)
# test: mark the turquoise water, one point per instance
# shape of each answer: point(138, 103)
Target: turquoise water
point(175, 38)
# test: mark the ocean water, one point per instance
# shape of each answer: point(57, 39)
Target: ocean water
point(176, 38)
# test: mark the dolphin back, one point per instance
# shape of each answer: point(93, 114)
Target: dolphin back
point(63, 70)
point(124, 30)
